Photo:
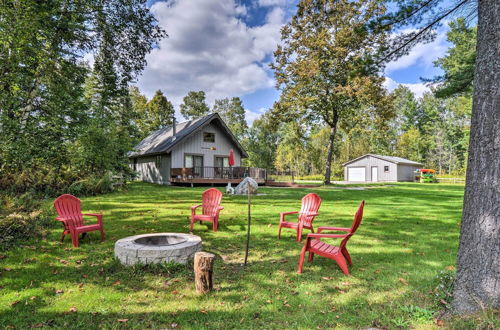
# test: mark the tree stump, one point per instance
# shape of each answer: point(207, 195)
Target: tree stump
point(203, 270)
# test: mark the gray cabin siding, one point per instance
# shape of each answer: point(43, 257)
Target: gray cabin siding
point(195, 145)
point(406, 172)
point(148, 171)
point(369, 162)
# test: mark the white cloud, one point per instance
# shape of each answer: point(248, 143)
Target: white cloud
point(417, 88)
point(268, 3)
point(210, 48)
point(423, 54)
point(250, 116)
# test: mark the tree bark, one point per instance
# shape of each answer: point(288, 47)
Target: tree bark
point(203, 270)
point(331, 141)
point(478, 264)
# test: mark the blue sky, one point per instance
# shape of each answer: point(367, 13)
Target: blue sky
point(224, 47)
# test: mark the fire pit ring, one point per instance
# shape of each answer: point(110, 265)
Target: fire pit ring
point(157, 248)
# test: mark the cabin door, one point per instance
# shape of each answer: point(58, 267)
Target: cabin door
point(198, 166)
point(374, 173)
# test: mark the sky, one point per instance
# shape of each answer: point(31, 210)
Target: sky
point(224, 47)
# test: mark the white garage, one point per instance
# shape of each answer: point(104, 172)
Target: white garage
point(378, 168)
point(356, 174)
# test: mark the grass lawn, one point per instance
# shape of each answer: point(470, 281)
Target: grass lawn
point(409, 234)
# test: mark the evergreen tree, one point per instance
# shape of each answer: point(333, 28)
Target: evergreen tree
point(193, 105)
point(233, 114)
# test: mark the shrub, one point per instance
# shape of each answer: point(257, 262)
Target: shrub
point(21, 218)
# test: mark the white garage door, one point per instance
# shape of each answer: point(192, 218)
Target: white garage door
point(356, 173)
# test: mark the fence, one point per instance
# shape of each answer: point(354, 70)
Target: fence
point(452, 180)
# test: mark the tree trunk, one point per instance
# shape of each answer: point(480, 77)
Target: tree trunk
point(478, 263)
point(203, 270)
point(333, 131)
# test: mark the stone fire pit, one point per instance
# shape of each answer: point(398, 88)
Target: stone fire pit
point(156, 248)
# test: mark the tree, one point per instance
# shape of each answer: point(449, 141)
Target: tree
point(458, 64)
point(193, 105)
point(159, 112)
point(261, 142)
point(477, 280)
point(477, 284)
point(326, 67)
point(43, 109)
point(139, 104)
point(233, 114)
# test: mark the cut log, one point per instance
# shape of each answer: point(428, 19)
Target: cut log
point(203, 270)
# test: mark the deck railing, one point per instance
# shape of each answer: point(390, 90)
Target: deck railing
point(205, 172)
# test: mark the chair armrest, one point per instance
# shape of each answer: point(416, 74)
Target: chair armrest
point(325, 236)
point(287, 213)
point(97, 215)
point(194, 207)
point(320, 229)
point(62, 219)
point(93, 214)
point(220, 207)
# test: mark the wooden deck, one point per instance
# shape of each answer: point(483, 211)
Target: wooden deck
point(211, 181)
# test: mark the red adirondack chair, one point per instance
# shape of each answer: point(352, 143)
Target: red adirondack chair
point(314, 244)
point(70, 214)
point(210, 204)
point(310, 206)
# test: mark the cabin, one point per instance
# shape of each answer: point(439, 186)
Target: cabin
point(377, 168)
point(194, 151)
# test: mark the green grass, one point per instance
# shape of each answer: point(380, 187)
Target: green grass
point(409, 234)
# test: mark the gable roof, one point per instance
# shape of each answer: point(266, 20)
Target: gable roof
point(162, 140)
point(392, 159)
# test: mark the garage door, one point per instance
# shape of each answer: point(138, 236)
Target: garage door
point(356, 173)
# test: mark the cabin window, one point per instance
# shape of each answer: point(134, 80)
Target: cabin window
point(221, 161)
point(208, 137)
point(191, 161)
point(386, 168)
point(158, 161)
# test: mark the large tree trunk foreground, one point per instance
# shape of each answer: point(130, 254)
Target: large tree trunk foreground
point(478, 264)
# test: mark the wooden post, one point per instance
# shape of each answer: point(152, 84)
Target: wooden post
point(249, 221)
point(203, 270)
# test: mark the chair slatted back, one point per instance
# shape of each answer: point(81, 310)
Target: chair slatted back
point(310, 205)
point(210, 200)
point(68, 206)
point(355, 224)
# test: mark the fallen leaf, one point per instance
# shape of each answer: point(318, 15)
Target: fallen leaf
point(63, 261)
point(55, 272)
point(32, 297)
point(439, 323)
point(327, 278)
point(80, 285)
point(450, 268)
point(15, 302)
point(203, 311)
point(402, 280)
point(59, 291)
point(269, 225)
point(78, 262)
point(123, 320)
point(443, 302)
point(37, 325)
point(175, 292)
point(72, 310)
point(85, 276)
point(2, 256)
